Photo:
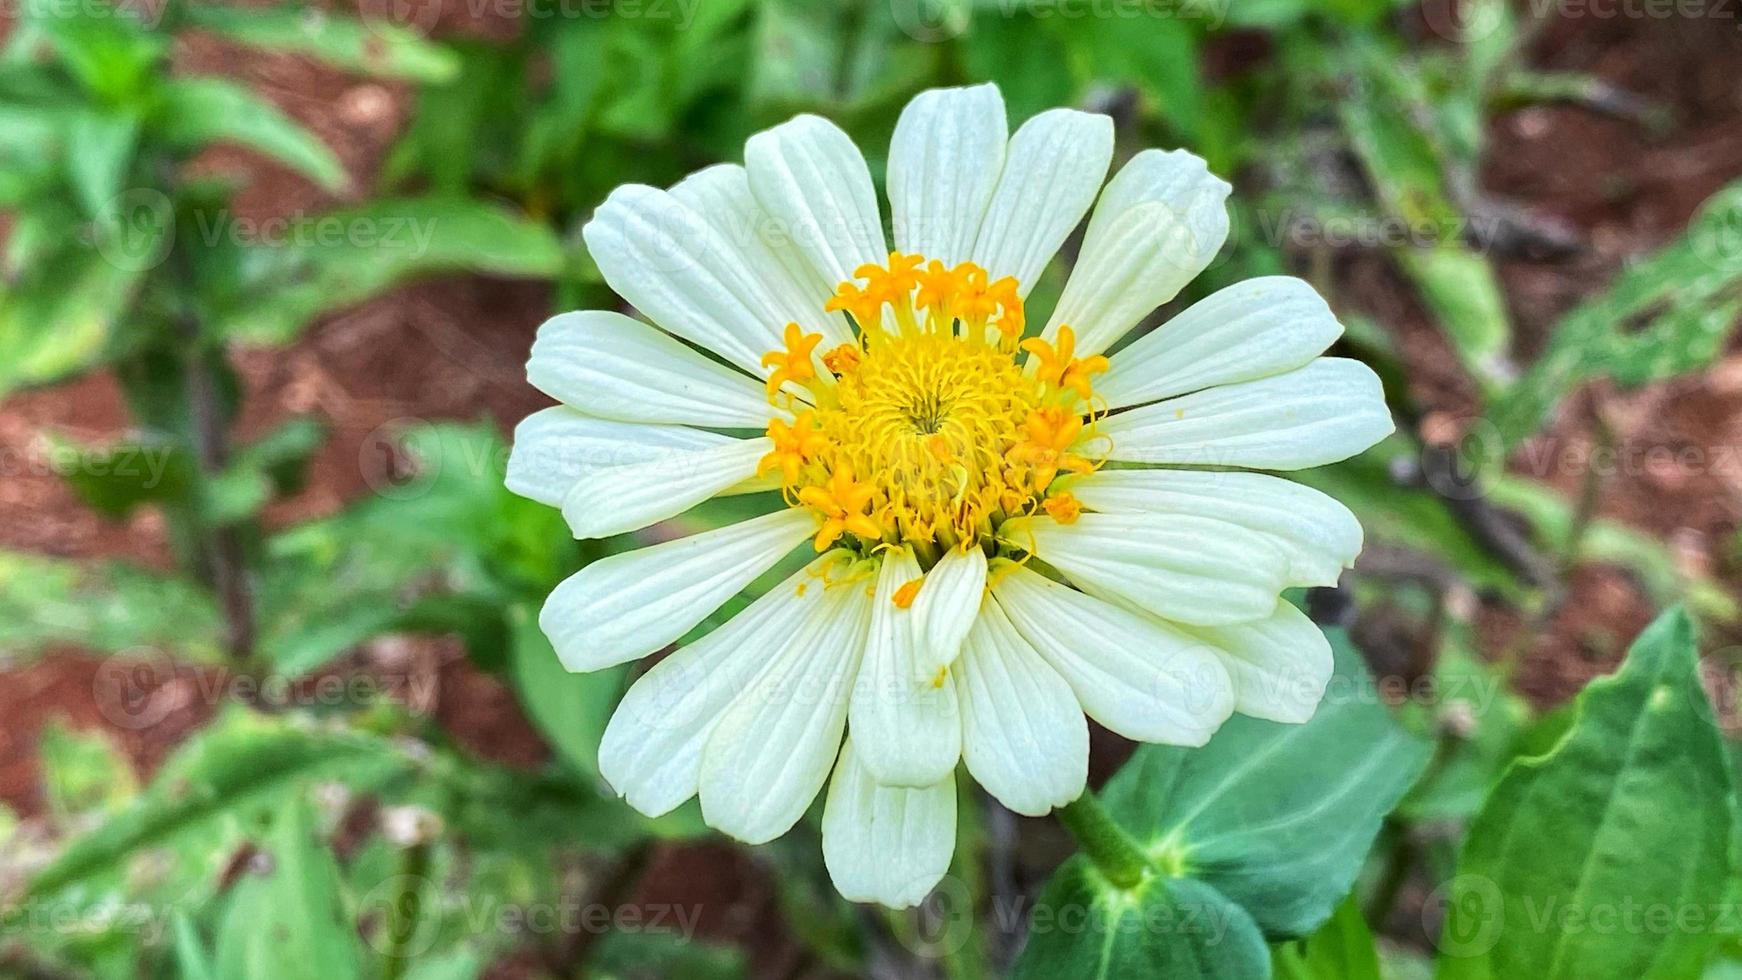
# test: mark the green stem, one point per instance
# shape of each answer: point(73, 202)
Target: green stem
point(1114, 853)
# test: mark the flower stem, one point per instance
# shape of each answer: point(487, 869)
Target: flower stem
point(1112, 850)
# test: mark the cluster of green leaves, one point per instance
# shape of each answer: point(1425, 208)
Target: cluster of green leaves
point(1606, 847)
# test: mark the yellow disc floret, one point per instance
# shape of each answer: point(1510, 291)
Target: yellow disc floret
point(932, 433)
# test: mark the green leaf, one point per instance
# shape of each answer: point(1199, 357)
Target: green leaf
point(344, 257)
point(1083, 926)
point(102, 607)
point(239, 764)
point(116, 480)
point(665, 954)
point(1277, 817)
point(1484, 725)
point(1574, 852)
point(197, 112)
point(1407, 517)
point(1551, 518)
point(1343, 949)
point(1407, 167)
point(375, 47)
point(61, 319)
point(191, 959)
point(570, 709)
point(1665, 316)
point(285, 920)
point(83, 772)
point(102, 152)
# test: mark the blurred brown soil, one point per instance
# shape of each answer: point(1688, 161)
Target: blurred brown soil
point(453, 349)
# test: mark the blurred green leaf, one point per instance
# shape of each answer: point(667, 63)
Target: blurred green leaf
point(116, 480)
point(285, 920)
point(1483, 725)
point(102, 607)
point(1028, 59)
point(61, 318)
point(1342, 949)
point(1661, 317)
point(191, 958)
point(1551, 518)
point(374, 47)
point(570, 709)
point(1633, 810)
point(83, 773)
point(197, 112)
point(107, 48)
point(102, 145)
point(240, 763)
point(1407, 517)
point(1277, 817)
point(344, 257)
point(1380, 114)
point(653, 954)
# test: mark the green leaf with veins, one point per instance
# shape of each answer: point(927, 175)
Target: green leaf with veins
point(1277, 817)
point(1574, 853)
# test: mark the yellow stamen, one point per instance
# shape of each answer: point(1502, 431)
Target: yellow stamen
point(842, 503)
point(794, 445)
point(930, 438)
point(842, 359)
point(793, 363)
point(904, 596)
point(1064, 507)
point(1059, 368)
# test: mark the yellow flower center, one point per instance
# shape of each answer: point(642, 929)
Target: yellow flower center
point(933, 433)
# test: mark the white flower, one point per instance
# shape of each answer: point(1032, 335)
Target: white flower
point(983, 577)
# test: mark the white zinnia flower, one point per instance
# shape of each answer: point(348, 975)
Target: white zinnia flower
point(982, 578)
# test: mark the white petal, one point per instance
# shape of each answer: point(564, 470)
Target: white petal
point(722, 194)
point(609, 365)
point(1182, 568)
point(667, 260)
point(1319, 536)
point(886, 844)
point(652, 749)
point(555, 447)
point(1140, 678)
point(773, 748)
point(1023, 733)
point(811, 178)
point(630, 604)
point(1329, 410)
point(1280, 666)
point(619, 499)
point(1250, 330)
point(1054, 165)
point(947, 605)
point(1160, 222)
point(908, 726)
point(944, 162)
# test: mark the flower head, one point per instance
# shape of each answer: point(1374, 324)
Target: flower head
point(993, 514)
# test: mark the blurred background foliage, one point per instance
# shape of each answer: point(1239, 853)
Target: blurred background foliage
point(268, 831)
